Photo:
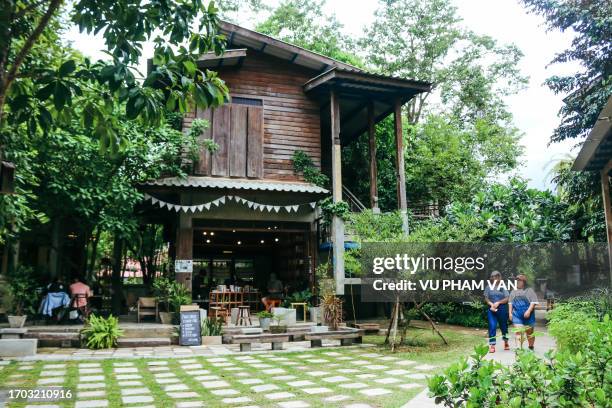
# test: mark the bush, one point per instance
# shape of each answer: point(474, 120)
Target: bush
point(571, 321)
point(20, 298)
point(101, 333)
point(212, 327)
point(563, 379)
point(468, 315)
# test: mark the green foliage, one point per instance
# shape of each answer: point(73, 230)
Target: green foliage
point(21, 298)
point(302, 163)
point(264, 314)
point(334, 209)
point(368, 226)
point(303, 23)
point(571, 321)
point(468, 315)
point(564, 379)
point(303, 296)
point(171, 293)
point(101, 333)
point(352, 264)
point(326, 285)
point(43, 96)
point(586, 92)
point(212, 327)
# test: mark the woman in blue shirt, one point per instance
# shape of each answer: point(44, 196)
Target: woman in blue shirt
point(523, 301)
point(497, 299)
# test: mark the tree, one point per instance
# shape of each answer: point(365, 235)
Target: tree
point(588, 90)
point(425, 41)
point(303, 23)
point(40, 96)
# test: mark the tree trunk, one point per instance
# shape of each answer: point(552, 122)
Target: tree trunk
point(116, 281)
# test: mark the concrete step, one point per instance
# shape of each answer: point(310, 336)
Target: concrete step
point(55, 338)
point(143, 330)
point(126, 342)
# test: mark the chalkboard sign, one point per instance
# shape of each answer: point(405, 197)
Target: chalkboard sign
point(190, 328)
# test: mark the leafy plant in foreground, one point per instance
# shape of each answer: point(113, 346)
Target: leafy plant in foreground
point(101, 333)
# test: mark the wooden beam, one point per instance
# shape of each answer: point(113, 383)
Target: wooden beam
point(399, 163)
point(605, 190)
point(337, 222)
point(373, 166)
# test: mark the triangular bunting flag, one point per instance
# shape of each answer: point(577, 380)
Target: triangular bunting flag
point(313, 205)
point(277, 208)
point(200, 207)
point(250, 204)
point(162, 204)
point(269, 208)
point(221, 200)
point(230, 198)
point(207, 206)
point(295, 207)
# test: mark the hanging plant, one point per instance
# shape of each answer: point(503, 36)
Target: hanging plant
point(302, 163)
point(330, 209)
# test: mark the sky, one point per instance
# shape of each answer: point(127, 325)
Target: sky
point(534, 108)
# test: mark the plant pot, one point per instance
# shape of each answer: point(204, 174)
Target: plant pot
point(264, 323)
point(278, 329)
point(211, 340)
point(166, 317)
point(315, 313)
point(16, 322)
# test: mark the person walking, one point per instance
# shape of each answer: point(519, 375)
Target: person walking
point(496, 297)
point(523, 301)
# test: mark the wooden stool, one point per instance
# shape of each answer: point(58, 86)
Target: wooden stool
point(244, 316)
point(304, 306)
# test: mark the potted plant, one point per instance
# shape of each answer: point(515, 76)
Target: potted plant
point(332, 311)
point(264, 319)
point(171, 295)
point(20, 297)
point(211, 331)
point(101, 333)
point(278, 328)
point(303, 296)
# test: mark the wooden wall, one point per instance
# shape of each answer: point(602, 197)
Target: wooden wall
point(291, 119)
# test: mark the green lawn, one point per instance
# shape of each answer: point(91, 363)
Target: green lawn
point(326, 370)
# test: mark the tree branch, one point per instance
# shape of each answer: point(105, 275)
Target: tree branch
point(29, 43)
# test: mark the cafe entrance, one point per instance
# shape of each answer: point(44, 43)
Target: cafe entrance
point(245, 254)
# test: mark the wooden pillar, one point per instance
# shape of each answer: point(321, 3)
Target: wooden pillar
point(373, 166)
point(184, 247)
point(337, 222)
point(399, 163)
point(605, 190)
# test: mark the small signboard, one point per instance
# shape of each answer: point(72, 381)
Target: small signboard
point(190, 328)
point(183, 266)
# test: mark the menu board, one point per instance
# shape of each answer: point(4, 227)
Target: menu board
point(190, 328)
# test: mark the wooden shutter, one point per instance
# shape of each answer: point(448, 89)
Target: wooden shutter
point(255, 142)
point(204, 164)
point(221, 136)
point(238, 130)
point(238, 141)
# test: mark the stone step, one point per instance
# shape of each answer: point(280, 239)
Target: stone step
point(125, 342)
point(133, 330)
point(55, 338)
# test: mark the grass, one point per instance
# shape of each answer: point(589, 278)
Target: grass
point(424, 347)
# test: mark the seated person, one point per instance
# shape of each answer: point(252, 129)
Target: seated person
point(80, 293)
point(56, 297)
point(275, 293)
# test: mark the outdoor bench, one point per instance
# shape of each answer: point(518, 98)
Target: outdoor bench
point(346, 337)
point(245, 340)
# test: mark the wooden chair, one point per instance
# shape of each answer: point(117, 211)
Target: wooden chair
point(147, 306)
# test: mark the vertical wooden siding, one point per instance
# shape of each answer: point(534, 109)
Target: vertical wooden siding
point(291, 120)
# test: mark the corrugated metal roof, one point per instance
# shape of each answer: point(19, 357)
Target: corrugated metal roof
point(238, 184)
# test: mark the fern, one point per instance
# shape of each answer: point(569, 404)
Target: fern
point(101, 333)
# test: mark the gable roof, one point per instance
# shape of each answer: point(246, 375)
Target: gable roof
point(597, 148)
point(242, 37)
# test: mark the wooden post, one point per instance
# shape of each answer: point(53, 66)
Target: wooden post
point(337, 222)
point(399, 163)
point(184, 246)
point(605, 190)
point(373, 166)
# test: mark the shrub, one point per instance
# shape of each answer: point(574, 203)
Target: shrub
point(101, 333)
point(468, 315)
point(264, 314)
point(212, 327)
point(571, 321)
point(563, 379)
